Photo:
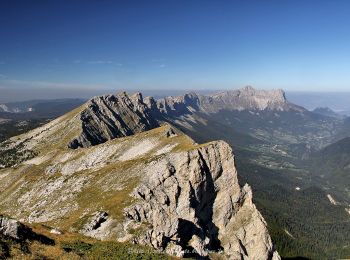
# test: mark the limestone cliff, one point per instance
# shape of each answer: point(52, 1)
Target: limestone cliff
point(247, 98)
point(192, 201)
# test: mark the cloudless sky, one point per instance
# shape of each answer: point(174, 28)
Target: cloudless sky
point(175, 44)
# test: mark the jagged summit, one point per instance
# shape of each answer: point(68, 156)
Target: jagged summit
point(111, 116)
point(274, 96)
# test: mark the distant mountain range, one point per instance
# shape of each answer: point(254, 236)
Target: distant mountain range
point(102, 122)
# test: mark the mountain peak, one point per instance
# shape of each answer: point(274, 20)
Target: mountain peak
point(249, 98)
point(111, 116)
point(273, 94)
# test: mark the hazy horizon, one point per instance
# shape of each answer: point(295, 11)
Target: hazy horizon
point(337, 101)
point(18, 94)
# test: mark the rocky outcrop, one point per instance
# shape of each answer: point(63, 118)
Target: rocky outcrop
point(94, 223)
point(15, 230)
point(193, 204)
point(12, 228)
point(111, 116)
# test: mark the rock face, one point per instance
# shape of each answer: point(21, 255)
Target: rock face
point(111, 116)
point(247, 98)
point(94, 223)
point(15, 230)
point(193, 203)
point(12, 228)
point(14, 234)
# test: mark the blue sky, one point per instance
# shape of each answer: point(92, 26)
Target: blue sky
point(174, 44)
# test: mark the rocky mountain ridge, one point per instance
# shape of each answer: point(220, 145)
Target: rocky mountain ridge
point(247, 98)
point(138, 182)
point(111, 116)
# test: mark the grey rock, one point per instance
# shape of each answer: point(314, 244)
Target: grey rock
point(175, 250)
point(20, 233)
point(11, 228)
point(95, 221)
point(193, 200)
point(111, 116)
